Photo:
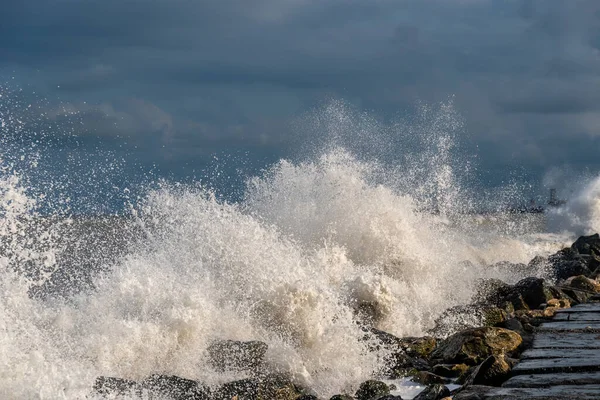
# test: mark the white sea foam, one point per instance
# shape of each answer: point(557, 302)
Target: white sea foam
point(312, 243)
point(581, 213)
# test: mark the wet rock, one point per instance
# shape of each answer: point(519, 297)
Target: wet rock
point(559, 303)
point(534, 291)
point(450, 370)
point(474, 345)
point(566, 263)
point(493, 371)
point(404, 355)
point(590, 246)
point(538, 264)
point(433, 392)
point(372, 390)
point(577, 296)
point(175, 388)
point(583, 283)
point(528, 293)
point(412, 346)
point(514, 324)
point(270, 387)
point(307, 397)
point(342, 397)
point(487, 290)
point(109, 386)
point(463, 317)
point(428, 378)
point(231, 355)
point(418, 346)
point(390, 397)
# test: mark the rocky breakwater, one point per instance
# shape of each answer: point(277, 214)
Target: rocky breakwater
point(476, 346)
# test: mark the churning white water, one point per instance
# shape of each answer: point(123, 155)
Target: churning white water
point(311, 243)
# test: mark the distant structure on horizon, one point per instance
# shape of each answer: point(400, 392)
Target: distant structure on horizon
point(555, 201)
point(534, 208)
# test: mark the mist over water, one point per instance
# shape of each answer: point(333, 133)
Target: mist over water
point(316, 247)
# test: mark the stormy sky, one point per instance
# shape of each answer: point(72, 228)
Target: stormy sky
point(180, 80)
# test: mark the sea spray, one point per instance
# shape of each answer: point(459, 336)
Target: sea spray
point(316, 250)
point(581, 213)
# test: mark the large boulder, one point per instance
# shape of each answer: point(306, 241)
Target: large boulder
point(231, 355)
point(534, 291)
point(491, 372)
point(589, 246)
point(568, 262)
point(474, 345)
point(372, 390)
point(528, 293)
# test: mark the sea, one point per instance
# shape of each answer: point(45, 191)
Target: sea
point(293, 259)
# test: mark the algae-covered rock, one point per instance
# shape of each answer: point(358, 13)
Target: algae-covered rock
point(371, 390)
point(404, 355)
point(450, 370)
point(474, 345)
point(493, 316)
point(342, 397)
point(412, 346)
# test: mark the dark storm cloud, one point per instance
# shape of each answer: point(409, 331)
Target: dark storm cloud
point(204, 75)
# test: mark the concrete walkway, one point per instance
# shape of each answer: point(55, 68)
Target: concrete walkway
point(564, 361)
